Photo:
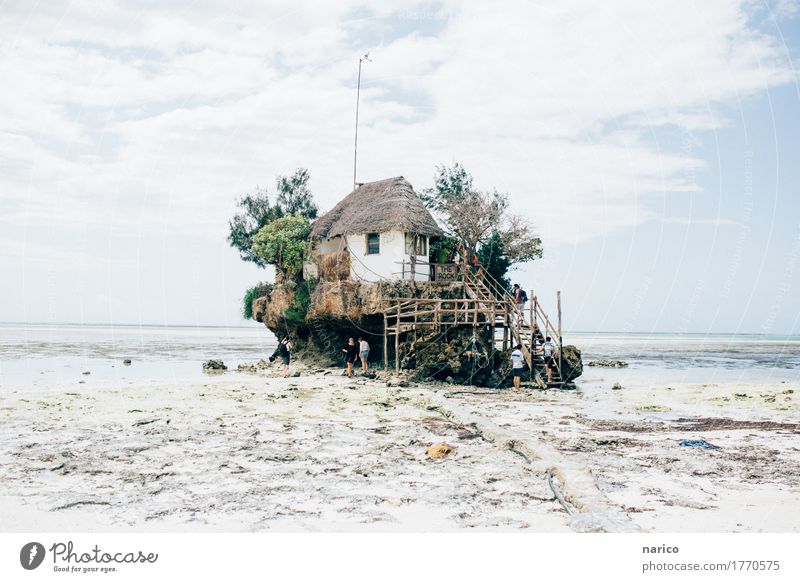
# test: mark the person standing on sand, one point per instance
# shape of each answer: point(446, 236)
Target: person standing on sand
point(363, 352)
point(284, 351)
point(517, 365)
point(351, 351)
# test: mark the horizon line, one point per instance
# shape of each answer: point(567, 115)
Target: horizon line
point(222, 326)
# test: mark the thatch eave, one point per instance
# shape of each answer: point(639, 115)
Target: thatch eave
point(381, 206)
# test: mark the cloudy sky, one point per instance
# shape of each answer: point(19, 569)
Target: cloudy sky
point(653, 144)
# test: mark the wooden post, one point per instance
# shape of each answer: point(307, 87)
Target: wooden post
point(560, 341)
point(397, 341)
point(385, 342)
point(532, 347)
point(505, 327)
point(531, 322)
point(558, 303)
point(492, 331)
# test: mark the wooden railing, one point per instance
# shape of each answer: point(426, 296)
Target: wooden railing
point(481, 277)
point(413, 314)
point(490, 304)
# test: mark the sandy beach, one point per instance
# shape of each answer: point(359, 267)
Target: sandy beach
point(322, 452)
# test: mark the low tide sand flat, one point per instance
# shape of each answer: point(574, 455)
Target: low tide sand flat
point(244, 452)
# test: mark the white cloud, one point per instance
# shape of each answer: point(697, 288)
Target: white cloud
point(689, 221)
point(142, 120)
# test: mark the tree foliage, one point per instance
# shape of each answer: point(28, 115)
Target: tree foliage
point(494, 258)
point(449, 187)
point(284, 242)
point(294, 195)
point(256, 212)
point(475, 216)
point(253, 293)
point(293, 198)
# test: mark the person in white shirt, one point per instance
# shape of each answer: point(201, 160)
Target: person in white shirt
point(549, 353)
point(363, 352)
point(517, 365)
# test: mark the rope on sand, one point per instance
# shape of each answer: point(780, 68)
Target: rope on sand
point(551, 473)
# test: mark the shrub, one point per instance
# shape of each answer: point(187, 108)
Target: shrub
point(284, 243)
point(443, 250)
point(253, 293)
point(302, 297)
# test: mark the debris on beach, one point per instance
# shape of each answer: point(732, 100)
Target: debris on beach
point(652, 408)
point(214, 366)
point(439, 451)
point(395, 382)
point(86, 373)
point(616, 386)
point(698, 444)
point(608, 364)
point(127, 361)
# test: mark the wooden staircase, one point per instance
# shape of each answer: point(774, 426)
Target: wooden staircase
point(523, 328)
point(486, 304)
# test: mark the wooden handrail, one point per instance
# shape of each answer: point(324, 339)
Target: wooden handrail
point(486, 299)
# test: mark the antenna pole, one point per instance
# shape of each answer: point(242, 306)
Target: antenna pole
point(358, 97)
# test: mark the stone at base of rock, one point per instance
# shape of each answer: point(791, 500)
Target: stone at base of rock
point(397, 383)
point(214, 366)
point(608, 364)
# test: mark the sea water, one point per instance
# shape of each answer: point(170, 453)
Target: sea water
point(58, 355)
point(47, 355)
point(692, 358)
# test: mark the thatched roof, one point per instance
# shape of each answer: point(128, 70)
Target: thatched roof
point(380, 206)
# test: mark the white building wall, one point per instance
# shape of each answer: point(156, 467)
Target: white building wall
point(331, 245)
point(388, 264)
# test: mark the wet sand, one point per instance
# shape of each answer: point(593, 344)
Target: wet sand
point(321, 452)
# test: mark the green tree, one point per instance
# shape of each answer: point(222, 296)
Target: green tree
point(256, 212)
point(294, 195)
point(473, 216)
point(284, 242)
point(449, 186)
point(492, 256)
